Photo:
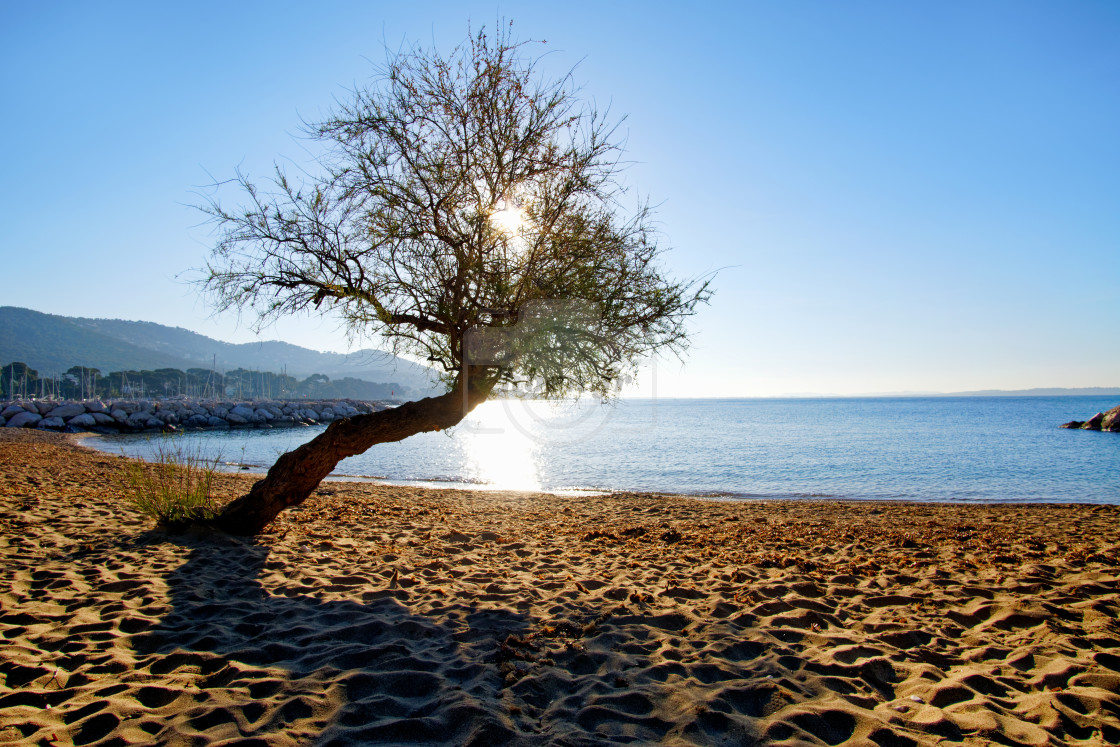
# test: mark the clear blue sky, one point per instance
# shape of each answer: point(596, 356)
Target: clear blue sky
point(901, 196)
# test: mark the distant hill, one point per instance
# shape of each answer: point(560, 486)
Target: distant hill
point(52, 344)
point(1088, 391)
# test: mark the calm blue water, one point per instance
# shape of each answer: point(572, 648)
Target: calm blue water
point(938, 449)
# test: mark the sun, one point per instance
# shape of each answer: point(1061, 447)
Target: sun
point(508, 217)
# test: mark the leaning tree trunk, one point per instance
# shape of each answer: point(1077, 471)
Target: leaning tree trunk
point(297, 473)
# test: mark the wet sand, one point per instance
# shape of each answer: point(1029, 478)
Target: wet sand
point(390, 615)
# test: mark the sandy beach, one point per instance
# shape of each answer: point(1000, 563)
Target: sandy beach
point(388, 615)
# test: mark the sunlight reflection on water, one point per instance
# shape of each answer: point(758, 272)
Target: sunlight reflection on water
point(503, 440)
point(498, 451)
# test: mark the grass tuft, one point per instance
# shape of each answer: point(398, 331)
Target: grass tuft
point(173, 485)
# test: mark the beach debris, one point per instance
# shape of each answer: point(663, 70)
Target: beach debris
point(561, 629)
point(55, 680)
point(516, 655)
point(671, 535)
point(632, 532)
point(917, 699)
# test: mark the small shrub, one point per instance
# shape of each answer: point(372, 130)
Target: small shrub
point(173, 486)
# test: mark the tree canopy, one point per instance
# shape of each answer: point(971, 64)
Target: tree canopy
point(454, 195)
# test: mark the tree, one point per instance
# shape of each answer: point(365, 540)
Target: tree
point(81, 381)
point(22, 380)
point(467, 210)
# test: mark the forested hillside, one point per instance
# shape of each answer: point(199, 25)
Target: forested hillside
point(52, 345)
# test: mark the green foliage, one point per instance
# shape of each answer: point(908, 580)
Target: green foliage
point(81, 382)
point(65, 350)
point(173, 487)
point(18, 378)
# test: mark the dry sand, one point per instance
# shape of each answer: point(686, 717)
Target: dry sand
point(387, 615)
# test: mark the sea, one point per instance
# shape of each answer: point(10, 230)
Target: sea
point(971, 449)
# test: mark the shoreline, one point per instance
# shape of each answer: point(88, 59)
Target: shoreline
point(258, 471)
point(378, 614)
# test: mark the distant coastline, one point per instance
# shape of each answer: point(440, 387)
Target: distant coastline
point(1091, 391)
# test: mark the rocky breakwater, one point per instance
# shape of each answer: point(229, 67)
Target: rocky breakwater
point(135, 416)
point(1102, 421)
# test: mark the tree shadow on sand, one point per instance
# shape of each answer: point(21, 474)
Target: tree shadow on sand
point(305, 669)
point(275, 669)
